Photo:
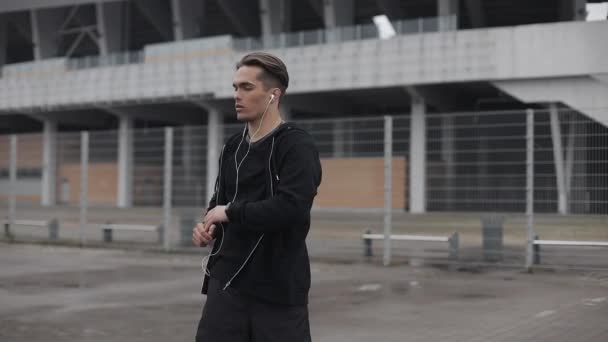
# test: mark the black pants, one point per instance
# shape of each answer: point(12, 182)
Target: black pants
point(230, 317)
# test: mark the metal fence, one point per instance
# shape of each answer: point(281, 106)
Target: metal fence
point(274, 41)
point(498, 184)
point(345, 33)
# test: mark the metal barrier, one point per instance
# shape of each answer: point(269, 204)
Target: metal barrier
point(568, 243)
point(109, 228)
point(51, 225)
point(453, 241)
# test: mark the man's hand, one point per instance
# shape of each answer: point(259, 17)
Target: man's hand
point(204, 231)
point(215, 215)
point(202, 236)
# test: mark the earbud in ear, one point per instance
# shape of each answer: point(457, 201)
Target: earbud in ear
point(271, 97)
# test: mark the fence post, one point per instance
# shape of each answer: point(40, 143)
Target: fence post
point(84, 182)
point(12, 175)
point(388, 187)
point(367, 245)
point(536, 249)
point(530, 187)
point(167, 180)
point(53, 229)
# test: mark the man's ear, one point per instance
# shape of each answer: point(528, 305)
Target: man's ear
point(275, 95)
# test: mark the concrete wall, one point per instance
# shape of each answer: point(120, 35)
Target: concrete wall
point(28, 190)
point(102, 180)
point(585, 94)
point(29, 151)
point(532, 51)
point(359, 183)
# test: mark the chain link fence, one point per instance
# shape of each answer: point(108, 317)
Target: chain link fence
point(497, 186)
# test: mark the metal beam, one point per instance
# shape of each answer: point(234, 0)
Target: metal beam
point(391, 8)
point(239, 13)
point(3, 38)
point(338, 13)
point(26, 5)
point(45, 28)
point(317, 6)
point(187, 18)
point(110, 26)
point(157, 16)
point(476, 14)
point(275, 16)
point(22, 23)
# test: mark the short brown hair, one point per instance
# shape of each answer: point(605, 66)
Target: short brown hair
point(274, 72)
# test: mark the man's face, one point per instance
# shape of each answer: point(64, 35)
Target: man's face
point(250, 95)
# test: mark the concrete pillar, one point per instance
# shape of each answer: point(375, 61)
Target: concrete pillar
point(49, 164)
point(215, 128)
point(111, 19)
point(569, 162)
point(125, 162)
point(580, 191)
point(187, 18)
point(45, 26)
point(447, 11)
point(558, 159)
point(417, 186)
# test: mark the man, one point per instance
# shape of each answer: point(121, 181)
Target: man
point(257, 276)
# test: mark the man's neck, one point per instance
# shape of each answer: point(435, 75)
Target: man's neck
point(270, 123)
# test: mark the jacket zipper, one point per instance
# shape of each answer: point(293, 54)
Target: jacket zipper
point(261, 237)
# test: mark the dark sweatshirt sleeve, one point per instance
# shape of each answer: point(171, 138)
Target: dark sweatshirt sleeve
point(300, 175)
point(213, 200)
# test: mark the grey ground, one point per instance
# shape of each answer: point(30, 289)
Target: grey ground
point(72, 294)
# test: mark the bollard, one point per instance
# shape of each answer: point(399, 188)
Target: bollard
point(7, 230)
point(161, 234)
point(107, 233)
point(53, 229)
point(186, 225)
point(367, 245)
point(536, 249)
point(492, 237)
point(454, 245)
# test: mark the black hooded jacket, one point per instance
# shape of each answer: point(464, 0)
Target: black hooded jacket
point(261, 251)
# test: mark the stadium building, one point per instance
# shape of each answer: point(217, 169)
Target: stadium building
point(458, 77)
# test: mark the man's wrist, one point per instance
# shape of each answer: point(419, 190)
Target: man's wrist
point(226, 208)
